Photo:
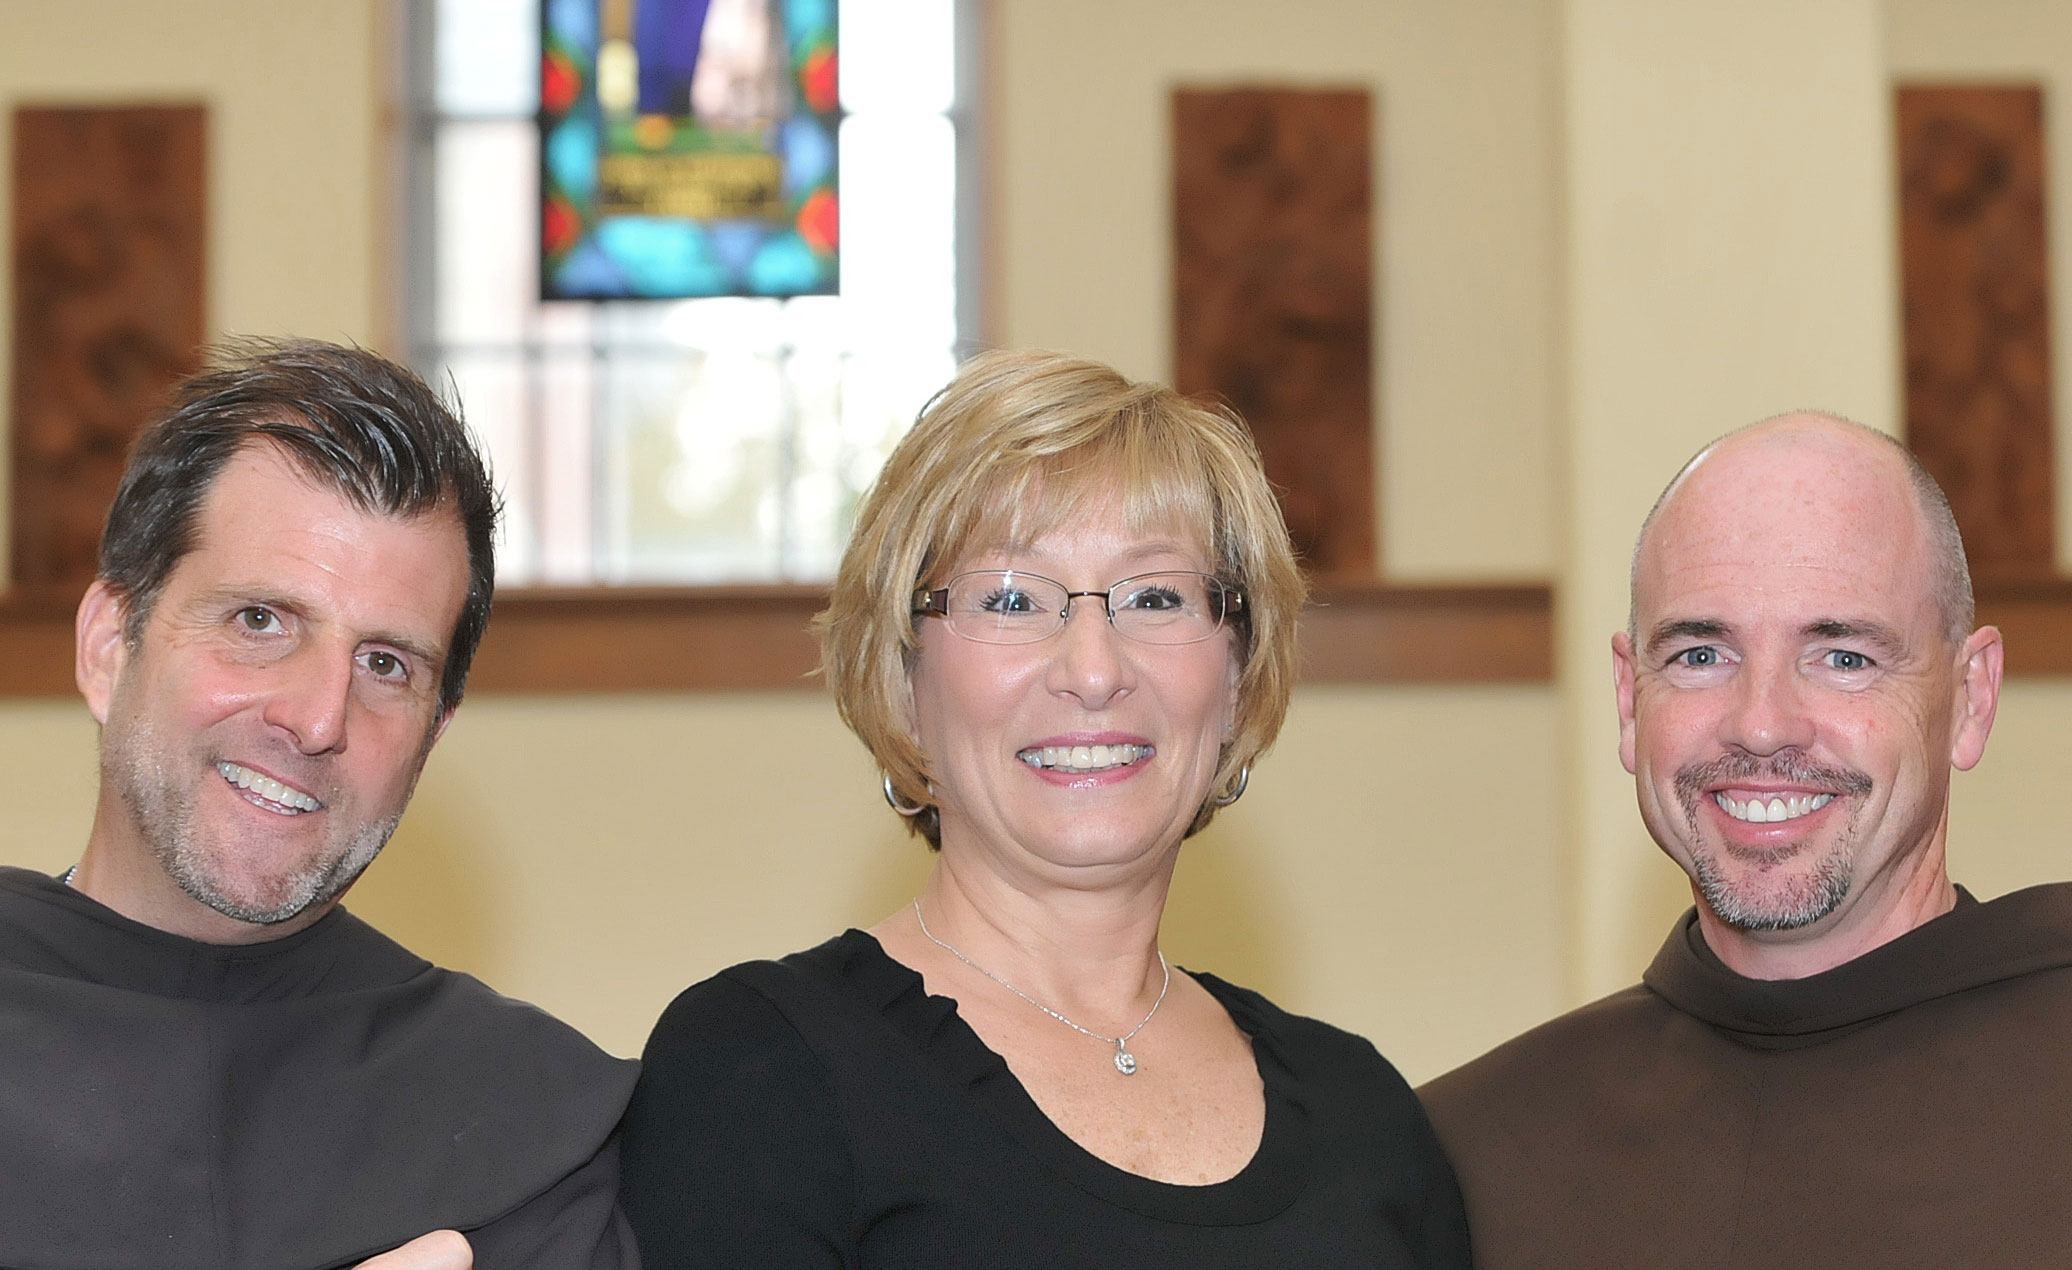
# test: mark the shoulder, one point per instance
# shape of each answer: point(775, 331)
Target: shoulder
point(1356, 1095)
point(757, 1004)
point(1317, 1050)
point(736, 1106)
point(463, 1006)
point(767, 1030)
point(1364, 1121)
point(478, 1032)
point(1565, 1052)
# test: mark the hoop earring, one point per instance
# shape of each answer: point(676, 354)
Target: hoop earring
point(1237, 788)
point(892, 799)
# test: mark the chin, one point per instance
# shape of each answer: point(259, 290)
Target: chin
point(1782, 898)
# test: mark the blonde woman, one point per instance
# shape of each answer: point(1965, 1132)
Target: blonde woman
point(1064, 627)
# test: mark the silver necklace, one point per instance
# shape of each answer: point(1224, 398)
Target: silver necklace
point(1125, 1062)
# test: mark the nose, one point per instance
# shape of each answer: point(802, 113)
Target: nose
point(1768, 711)
point(310, 698)
point(1088, 661)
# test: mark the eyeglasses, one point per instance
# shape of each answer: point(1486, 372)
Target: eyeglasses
point(1007, 606)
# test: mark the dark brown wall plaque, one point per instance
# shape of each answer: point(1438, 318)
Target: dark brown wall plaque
point(1975, 287)
point(108, 310)
point(1273, 296)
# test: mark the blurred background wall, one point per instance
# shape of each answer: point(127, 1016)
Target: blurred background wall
point(1607, 230)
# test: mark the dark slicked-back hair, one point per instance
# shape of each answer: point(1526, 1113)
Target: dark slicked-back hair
point(351, 421)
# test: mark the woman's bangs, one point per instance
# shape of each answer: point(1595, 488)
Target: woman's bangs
point(1160, 489)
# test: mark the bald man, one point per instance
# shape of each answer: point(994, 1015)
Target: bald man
point(1839, 1058)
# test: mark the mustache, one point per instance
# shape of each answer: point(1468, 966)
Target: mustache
point(1788, 766)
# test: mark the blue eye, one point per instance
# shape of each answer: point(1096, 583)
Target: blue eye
point(1848, 659)
point(1700, 658)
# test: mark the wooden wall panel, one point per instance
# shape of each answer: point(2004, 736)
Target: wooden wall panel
point(1975, 286)
point(108, 310)
point(1273, 297)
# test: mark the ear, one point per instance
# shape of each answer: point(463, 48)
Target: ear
point(1623, 669)
point(1978, 696)
point(439, 727)
point(99, 647)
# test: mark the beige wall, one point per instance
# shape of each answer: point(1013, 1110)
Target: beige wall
point(1408, 862)
point(1731, 248)
point(1466, 250)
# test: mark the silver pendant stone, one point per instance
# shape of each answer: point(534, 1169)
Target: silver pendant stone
point(1125, 1062)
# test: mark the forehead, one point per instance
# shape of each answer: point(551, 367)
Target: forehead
point(1093, 525)
point(266, 528)
point(1801, 528)
point(1057, 512)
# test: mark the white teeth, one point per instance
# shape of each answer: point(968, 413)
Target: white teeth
point(1083, 758)
point(268, 788)
point(1756, 811)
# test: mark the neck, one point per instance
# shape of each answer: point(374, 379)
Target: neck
point(1875, 916)
point(1091, 950)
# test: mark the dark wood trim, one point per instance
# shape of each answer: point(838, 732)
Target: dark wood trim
point(36, 640)
point(2036, 619)
point(1375, 633)
point(709, 639)
point(607, 639)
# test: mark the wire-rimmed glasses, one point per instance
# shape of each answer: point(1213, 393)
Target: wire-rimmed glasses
point(1008, 606)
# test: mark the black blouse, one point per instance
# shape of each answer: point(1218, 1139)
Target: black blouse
point(826, 1111)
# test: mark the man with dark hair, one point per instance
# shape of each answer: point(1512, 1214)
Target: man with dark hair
point(1839, 1058)
point(204, 1062)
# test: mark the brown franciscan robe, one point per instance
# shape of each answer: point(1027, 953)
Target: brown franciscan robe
point(289, 1105)
point(1912, 1108)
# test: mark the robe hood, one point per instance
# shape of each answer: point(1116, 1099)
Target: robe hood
point(1972, 945)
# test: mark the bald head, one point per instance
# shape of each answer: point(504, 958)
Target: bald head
point(1820, 466)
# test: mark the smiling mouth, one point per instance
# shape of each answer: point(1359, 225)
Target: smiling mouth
point(1757, 811)
point(265, 791)
point(1084, 758)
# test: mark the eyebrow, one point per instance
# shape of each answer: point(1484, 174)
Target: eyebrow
point(1874, 633)
point(1878, 634)
point(1687, 628)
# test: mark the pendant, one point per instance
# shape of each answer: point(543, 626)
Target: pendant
point(1125, 1062)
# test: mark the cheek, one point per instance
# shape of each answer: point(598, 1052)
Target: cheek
point(1202, 697)
point(1671, 729)
point(954, 695)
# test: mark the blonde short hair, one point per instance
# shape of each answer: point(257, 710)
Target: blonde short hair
point(1007, 452)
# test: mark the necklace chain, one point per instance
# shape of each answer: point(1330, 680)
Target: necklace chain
point(1125, 1062)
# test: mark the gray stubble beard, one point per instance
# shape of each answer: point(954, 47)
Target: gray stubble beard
point(1807, 900)
point(164, 816)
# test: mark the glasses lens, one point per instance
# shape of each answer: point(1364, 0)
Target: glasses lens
point(1004, 607)
point(1167, 608)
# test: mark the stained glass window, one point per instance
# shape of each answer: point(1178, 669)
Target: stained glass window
point(689, 441)
point(688, 148)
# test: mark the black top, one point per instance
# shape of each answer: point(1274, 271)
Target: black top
point(305, 1102)
point(826, 1111)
